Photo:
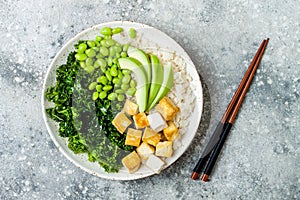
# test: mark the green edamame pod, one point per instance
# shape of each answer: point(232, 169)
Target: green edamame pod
point(99, 88)
point(95, 96)
point(131, 91)
point(107, 87)
point(117, 30)
point(121, 97)
point(81, 48)
point(80, 56)
point(105, 31)
point(92, 85)
point(132, 33)
point(91, 43)
point(108, 76)
point(102, 95)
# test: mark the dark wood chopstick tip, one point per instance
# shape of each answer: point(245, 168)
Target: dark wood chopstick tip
point(204, 177)
point(195, 175)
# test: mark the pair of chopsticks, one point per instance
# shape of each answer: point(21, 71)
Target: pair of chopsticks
point(216, 142)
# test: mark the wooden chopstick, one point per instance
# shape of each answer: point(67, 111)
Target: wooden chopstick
point(213, 158)
point(223, 128)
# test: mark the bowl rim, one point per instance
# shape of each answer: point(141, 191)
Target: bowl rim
point(51, 133)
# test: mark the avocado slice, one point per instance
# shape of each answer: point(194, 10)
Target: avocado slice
point(167, 84)
point(156, 78)
point(141, 79)
point(142, 57)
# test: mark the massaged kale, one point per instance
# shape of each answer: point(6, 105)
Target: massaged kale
point(84, 121)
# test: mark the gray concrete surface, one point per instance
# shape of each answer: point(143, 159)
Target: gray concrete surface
point(260, 159)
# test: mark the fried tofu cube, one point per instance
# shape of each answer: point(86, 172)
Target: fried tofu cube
point(132, 162)
point(164, 149)
point(151, 137)
point(145, 150)
point(133, 137)
point(171, 132)
point(155, 164)
point(140, 120)
point(156, 121)
point(121, 122)
point(167, 108)
point(130, 108)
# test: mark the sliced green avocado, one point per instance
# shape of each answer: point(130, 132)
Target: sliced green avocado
point(142, 57)
point(166, 85)
point(156, 78)
point(141, 88)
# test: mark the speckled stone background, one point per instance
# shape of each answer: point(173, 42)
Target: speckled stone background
point(261, 157)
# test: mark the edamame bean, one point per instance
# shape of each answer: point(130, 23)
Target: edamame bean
point(107, 36)
point(96, 49)
point(110, 42)
point(118, 44)
point(125, 47)
point(121, 97)
point(102, 79)
point(103, 68)
point(132, 83)
point(116, 80)
point(99, 88)
point(82, 64)
point(92, 85)
point(89, 62)
point(118, 49)
point(99, 55)
point(98, 38)
point(90, 53)
point(108, 76)
point(96, 65)
point(113, 71)
point(120, 74)
point(131, 91)
point(109, 61)
point(112, 96)
point(104, 51)
point(118, 55)
point(91, 43)
point(81, 48)
point(105, 31)
point(132, 33)
point(123, 54)
point(80, 56)
point(107, 87)
point(103, 43)
point(95, 96)
point(102, 95)
point(126, 71)
point(101, 62)
point(124, 86)
point(89, 69)
point(117, 30)
point(112, 51)
point(126, 79)
point(119, 91)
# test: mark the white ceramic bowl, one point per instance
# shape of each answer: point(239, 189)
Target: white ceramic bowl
point(149, 37)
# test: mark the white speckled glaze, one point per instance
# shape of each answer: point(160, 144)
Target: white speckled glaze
point(147, 38)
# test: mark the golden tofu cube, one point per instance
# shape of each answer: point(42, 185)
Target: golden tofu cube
point(151, 137)
point(132, 162)
point(133, 137)
point(171, 132)
point(121, 122)
point(167, 108)
point(164, 149)
point(130, 108)
point(145, 150)
point(140, 120)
